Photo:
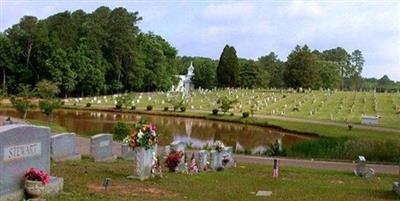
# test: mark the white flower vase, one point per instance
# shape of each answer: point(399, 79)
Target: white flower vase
point(143, 163)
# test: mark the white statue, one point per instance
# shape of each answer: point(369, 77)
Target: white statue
point(185, 82)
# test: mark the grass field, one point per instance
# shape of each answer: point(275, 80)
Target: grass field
point(234, 184)
point(322, 105)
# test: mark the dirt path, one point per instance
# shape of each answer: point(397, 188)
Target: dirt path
point(83, 145)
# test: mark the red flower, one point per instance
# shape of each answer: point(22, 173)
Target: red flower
point(34, 174)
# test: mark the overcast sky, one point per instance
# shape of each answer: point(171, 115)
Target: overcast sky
point(255, 28)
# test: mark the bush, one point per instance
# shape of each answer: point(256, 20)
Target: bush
point(215, 111)
point(121, 130)
point(149, 107)
point(22, 105)
point(47, 106)
point(166, 109)
point(183, 109)
point(245, 114)
point(118, 106)
point(133, 107)
point(88, 104)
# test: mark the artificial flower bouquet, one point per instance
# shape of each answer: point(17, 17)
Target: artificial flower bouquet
point(219, 146)
point(34, 174)
point(144, 135)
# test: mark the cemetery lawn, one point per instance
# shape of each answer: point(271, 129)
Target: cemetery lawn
point(337, 106)
point(83, 181)
point(54, 127)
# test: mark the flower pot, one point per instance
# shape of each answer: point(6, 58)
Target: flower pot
point(171, 168)
point(34, 189)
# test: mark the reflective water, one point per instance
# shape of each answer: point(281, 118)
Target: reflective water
point(194, 132)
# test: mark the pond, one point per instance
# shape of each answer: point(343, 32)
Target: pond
point(196, 133)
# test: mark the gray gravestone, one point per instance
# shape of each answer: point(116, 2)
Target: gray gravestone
point(63, 147)
point(215, 160)
point(101, 147)
point(227, 153)
point(396, 187)
point(362, 170)
point(23, 147)
point(203, 160)
point(177, 146)
point(127, 153)
point(143, 162)
point(167, 150)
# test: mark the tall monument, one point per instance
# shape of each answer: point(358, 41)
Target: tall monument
point(185, 83)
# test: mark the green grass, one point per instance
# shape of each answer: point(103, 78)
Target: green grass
point(56, 128)
point(234, 184)
point(347, 149)
point(337, 106)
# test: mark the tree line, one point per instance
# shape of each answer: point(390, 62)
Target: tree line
point(105, 52)
point(102, 52)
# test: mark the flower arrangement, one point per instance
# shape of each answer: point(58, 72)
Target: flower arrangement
point(219, 146)
point(173, 160)
point(144, 135)
point(34, 174)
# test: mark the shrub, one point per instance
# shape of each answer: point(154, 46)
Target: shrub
point(226, 104)
point(183, 109)
point(121, 130)
point(166, 109)
point(215, 111)
point(149, 107)
point(118, 106)
point(47, 106)
point(22, 105)
point(88, 104)
point(245, 114)
point(231, 114)
point(133, 107)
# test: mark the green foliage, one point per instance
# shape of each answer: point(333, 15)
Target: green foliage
point(177, 102)
point(166, 109)
point(149, 108)
point(252, 75)
point(123, 101)
point(228, 68)
point(301, 68)
point(245, 114)
point(226, 104)
point(88, 104)
point(47, 106)
point(275, 69)
point(183, 109)
point(133, 107)
point(204, 71)
point(345, 148)
point(215, 111)
point(21, 104)
point(47, 89)
point(121, 130)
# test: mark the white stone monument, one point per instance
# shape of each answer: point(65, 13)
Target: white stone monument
point(185, 83)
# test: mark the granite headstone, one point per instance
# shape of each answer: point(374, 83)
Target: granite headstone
point(63, 147)
point(101, 147)
point(23, 147)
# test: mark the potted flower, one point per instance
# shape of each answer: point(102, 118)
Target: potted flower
point(173, 160)
point(35, 181)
